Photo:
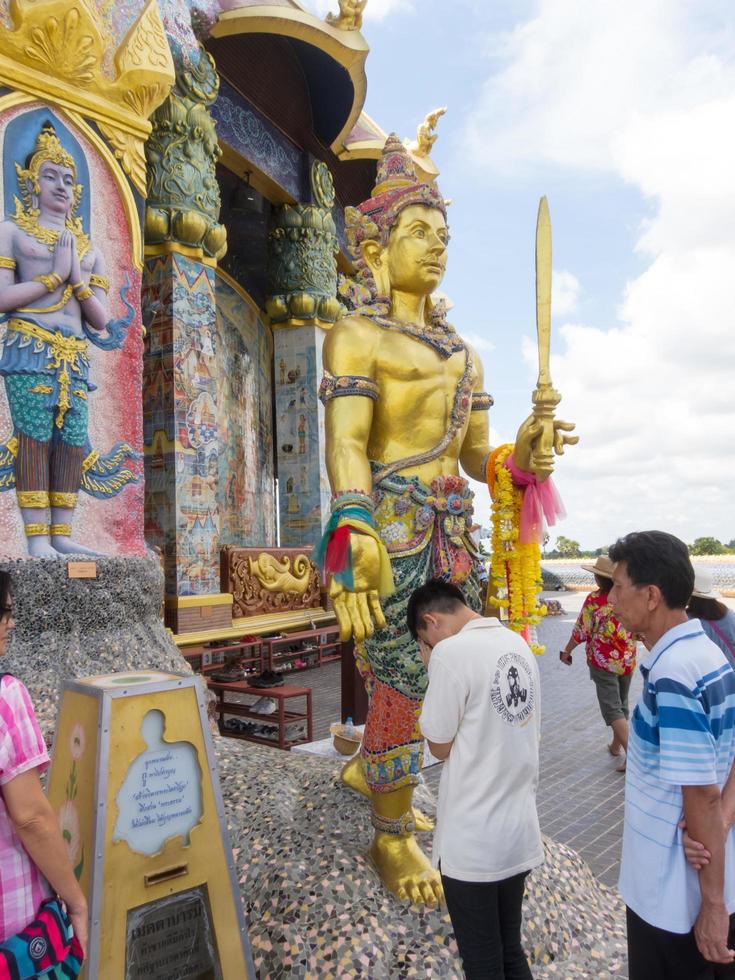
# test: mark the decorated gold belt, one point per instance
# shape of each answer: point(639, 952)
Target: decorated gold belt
point(63, 353)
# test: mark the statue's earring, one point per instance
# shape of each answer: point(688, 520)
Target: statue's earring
point(33, 194)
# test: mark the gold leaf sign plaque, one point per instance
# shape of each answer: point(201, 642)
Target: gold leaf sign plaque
point(82, 569)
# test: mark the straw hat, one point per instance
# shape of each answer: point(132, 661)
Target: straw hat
point(703, 585)
point(602, 566)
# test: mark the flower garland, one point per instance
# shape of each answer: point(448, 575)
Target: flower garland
point(515, 567)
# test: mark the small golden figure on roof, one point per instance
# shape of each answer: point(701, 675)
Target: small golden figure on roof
point(426, 135)
point(349, 17)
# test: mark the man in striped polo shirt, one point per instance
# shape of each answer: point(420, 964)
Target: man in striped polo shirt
point(681, 752)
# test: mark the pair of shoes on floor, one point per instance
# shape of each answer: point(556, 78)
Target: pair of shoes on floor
point(237, 725)
point(263, 706)
point(269, 678)
point(228, 674)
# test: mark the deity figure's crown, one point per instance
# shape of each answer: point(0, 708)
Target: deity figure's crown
point(47, 148)
point(397, 187)
point(395, 167)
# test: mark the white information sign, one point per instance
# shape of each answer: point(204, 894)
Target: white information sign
point(161, 796)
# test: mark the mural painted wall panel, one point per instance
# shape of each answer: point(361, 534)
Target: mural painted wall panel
point(182, 446)
point(303, 489)
point(246, 489)
point(70, 408)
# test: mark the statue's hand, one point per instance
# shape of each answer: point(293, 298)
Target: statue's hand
point(358, 612)
point(536, 439)
point(63, 255)
point(76, 268)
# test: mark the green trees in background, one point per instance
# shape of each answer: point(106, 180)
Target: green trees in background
point(708, 546)
point(569, 548)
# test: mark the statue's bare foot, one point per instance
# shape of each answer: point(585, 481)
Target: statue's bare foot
point(39, 547)
point(405, 869)
point(353, 776)
point(65, 546)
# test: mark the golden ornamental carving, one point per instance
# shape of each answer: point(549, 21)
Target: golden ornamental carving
point(145, 47)
point(281, 574)
point(269, 581)
point(62, 46)
point(56, 51)
point(130, 151)
point(349, 17)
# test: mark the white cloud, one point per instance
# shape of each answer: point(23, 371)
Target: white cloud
point(643, 92)
point(478, 342)
point(375, 9)
point(564, 292)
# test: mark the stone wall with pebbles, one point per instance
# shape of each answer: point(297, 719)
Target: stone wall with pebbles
point(75, 627)
point(315, 906)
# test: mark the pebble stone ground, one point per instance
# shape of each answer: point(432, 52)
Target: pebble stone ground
point(580, 795)
point(315, 905)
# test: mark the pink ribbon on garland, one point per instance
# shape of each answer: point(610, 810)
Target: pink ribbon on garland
point(541, 503)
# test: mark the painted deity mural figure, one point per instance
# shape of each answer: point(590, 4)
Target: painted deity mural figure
point(53, 298)
point(405, 405)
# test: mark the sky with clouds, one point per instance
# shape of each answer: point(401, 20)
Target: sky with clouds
point(622, 114)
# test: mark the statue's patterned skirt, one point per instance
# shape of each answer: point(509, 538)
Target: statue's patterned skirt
point(425, 529)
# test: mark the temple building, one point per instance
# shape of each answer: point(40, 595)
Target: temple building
point(252, 159)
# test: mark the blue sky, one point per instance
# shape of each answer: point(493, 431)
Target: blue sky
point(622, 115)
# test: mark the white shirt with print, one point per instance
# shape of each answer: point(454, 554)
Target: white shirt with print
point(484, 694)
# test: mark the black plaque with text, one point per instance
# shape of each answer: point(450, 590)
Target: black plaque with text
point(172, 937)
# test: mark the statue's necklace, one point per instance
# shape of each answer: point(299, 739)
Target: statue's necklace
point(27, 221)
point(441, 336)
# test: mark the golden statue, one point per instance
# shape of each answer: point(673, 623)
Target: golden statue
point(349, 17)
point(426, 134)
point(405, 406)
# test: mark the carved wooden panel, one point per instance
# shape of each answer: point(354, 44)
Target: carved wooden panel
point(264, 580)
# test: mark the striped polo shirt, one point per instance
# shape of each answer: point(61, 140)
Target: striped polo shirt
point(682, 733)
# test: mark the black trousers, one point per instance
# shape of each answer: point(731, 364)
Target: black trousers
point(486, 917)
point(655, 954)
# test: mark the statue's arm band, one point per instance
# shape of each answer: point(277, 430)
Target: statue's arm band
point(481, 401)
point(6, 262)
point(102, 282)
point(347, 384)
point(352, 498)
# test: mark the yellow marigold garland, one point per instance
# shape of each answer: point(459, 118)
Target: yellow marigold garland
point(515, 568)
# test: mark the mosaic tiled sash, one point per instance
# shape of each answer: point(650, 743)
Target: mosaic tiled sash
point(426, 531)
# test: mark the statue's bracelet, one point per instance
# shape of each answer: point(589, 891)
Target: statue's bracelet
point(352, 498)
point(52, 281)
point(84, 293)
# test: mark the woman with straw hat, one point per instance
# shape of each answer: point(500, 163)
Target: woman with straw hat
point(717, 621)
point(610, 656)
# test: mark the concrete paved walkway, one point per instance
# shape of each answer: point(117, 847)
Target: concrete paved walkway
point(580, 796)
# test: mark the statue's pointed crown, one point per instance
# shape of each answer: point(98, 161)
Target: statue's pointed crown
point(395, 168)
point(48, 148)
point(397, 187)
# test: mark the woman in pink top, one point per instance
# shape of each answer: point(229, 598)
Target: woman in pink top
point(33, 855)
point(611, 652)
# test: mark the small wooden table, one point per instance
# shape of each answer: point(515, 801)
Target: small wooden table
point(281, 717)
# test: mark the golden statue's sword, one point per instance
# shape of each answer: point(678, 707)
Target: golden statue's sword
point(545, 398)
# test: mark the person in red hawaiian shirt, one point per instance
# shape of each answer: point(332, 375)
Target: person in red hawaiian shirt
point(611, 653)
